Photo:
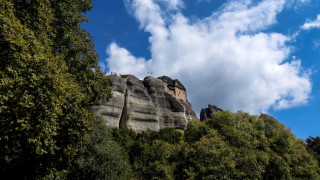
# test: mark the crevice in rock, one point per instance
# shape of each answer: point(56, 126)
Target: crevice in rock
point(124, 114)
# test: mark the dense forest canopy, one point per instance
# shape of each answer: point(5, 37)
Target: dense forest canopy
point(49, 77)
point(313, 145)
point(227, 146)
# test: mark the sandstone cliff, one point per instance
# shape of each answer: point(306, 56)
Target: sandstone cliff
point(153, 103)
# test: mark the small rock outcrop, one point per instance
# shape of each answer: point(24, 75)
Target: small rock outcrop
point(206, 113)
point(153, 103)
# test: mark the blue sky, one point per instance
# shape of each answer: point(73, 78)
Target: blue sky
point(251, 55)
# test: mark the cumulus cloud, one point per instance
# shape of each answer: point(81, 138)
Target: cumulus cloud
point(121, 61)
point(224, 59)
point(312, 24)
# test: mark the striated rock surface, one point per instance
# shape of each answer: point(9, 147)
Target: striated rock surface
point(206, 113)
point(153, 103)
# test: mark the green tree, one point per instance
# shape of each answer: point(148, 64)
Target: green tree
point(313, 145)
point(195, 131)
point(44, 98)
point(125, 138)
point(100, 157)
point(77, 47)
point(170, 135)
point(242, 146)
point(227, 146)
point(162, 164)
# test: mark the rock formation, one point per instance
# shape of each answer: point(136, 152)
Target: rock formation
point(206, 113)
point(153, 103)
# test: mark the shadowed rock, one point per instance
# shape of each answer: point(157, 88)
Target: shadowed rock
point(206, 113)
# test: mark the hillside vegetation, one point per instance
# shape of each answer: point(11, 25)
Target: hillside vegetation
point(49, 77)
point(227, 146)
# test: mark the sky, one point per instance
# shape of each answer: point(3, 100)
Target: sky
point(258, 56)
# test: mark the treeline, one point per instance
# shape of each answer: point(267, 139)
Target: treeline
point(49, 77)
point(228, 146)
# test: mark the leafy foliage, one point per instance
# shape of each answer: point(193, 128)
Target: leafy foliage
point(49, 76)
point(100, 157)
point(313, 145)
point(47, 82)
point(227, 146)
point(169, 135)
point(195, 131)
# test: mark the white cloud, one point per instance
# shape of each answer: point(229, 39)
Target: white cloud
point(312, 24)
point(172, 4)
point(121, 61)
point(296, 4)
point(223, 59)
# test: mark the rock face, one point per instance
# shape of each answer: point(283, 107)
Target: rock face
point(153, 103)
point(206, 113)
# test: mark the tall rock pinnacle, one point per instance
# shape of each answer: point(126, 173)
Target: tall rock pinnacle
point(153, 103)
